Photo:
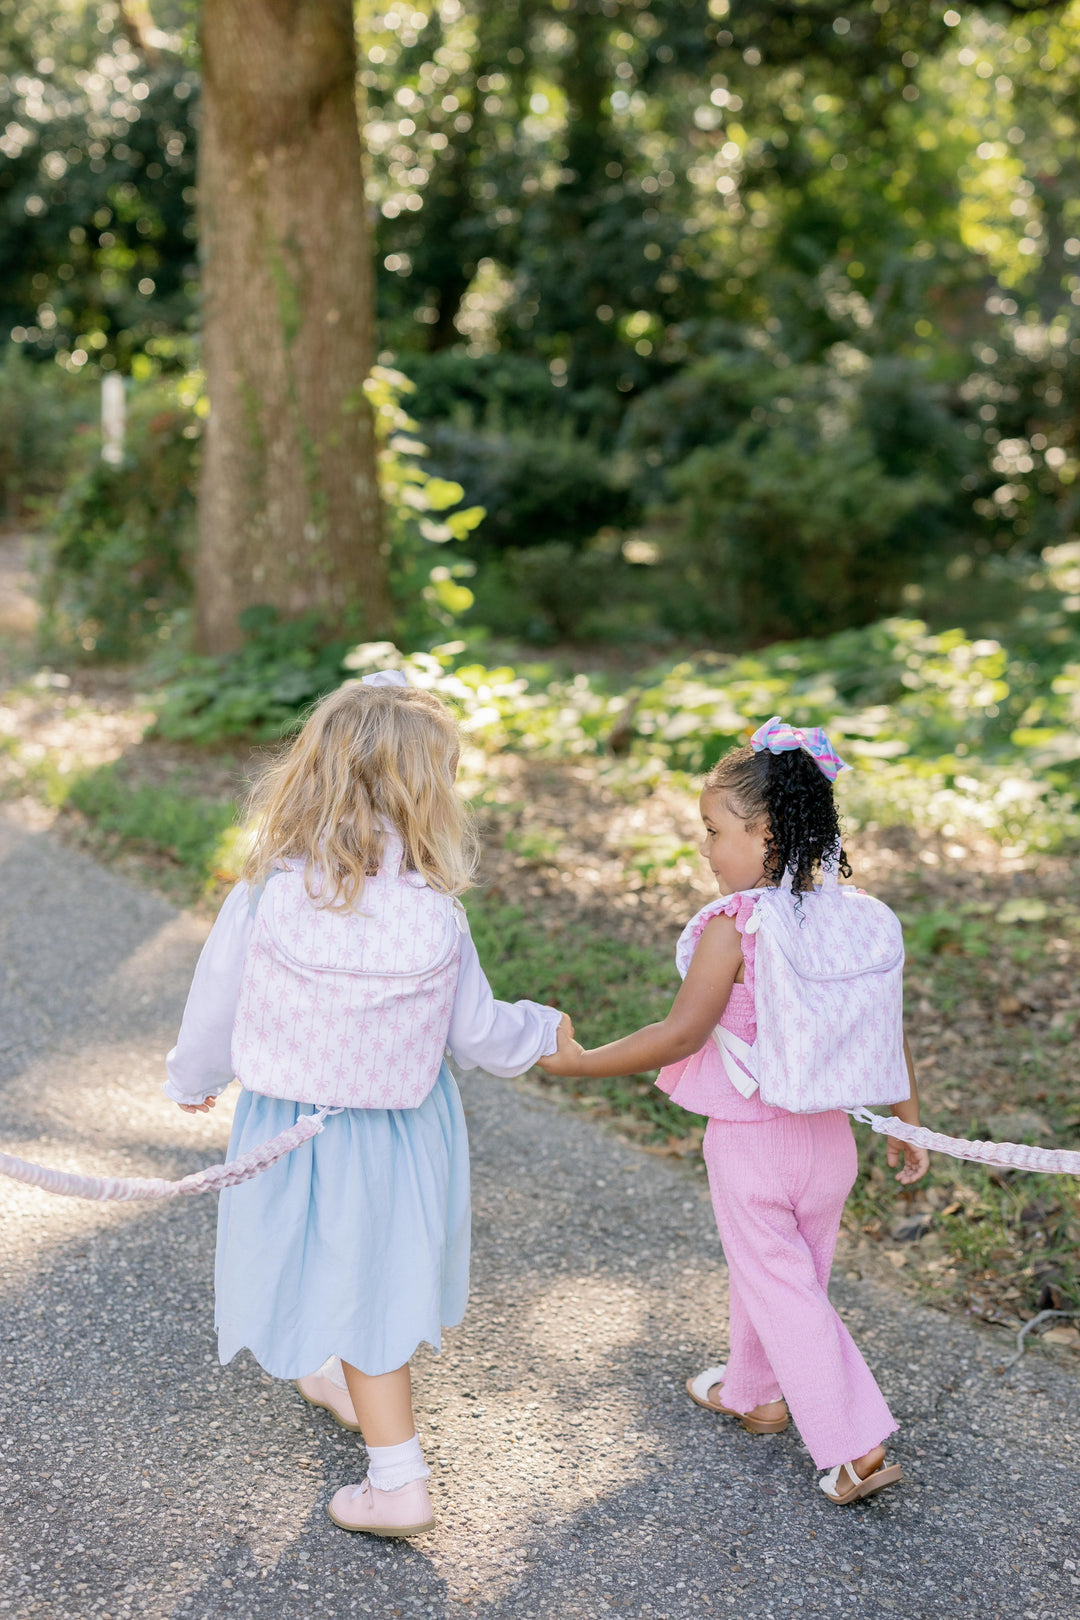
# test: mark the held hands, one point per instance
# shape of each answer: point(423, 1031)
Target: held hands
point(566, 1059)
point(198, 1108)
point(916, 1160)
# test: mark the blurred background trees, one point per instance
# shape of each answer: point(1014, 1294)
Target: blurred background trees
point(738, 322)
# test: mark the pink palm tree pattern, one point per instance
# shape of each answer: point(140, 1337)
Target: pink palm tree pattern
point(348, 1006)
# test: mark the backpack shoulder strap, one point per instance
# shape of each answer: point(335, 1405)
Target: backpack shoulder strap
point(257, 890)
point(739, 1060)
point(728, 905)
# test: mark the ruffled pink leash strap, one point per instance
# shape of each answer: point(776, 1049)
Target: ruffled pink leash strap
point(1011, 1155)
point(216, 1177)
point(213, 1179)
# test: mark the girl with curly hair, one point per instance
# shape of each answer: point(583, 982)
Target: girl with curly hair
point(779, 1180)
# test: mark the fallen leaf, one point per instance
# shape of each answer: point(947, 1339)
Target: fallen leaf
point(1063, 1335)
point(1014, 911)
point(1016, 1126)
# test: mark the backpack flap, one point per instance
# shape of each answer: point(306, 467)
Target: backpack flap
point(398, 929)
point(348, 1006)
point(829, 970)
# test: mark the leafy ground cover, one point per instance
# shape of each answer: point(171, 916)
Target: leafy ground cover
point(953, 731)
point(591, 867)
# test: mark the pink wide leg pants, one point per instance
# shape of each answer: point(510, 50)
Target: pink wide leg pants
point(778, 1191)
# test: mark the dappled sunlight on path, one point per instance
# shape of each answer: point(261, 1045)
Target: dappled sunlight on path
point(571, 1476)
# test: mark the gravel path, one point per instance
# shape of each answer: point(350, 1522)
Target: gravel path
point(571, 1475)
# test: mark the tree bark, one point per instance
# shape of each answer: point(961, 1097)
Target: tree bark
point(289, 507)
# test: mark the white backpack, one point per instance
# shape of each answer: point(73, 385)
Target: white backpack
point(349, 1007)
point(828, 994)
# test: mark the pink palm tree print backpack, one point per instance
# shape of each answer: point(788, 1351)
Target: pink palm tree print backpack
point(349, 1006)
point(828, 997)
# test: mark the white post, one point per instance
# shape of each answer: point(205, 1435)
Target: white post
point(112, 418)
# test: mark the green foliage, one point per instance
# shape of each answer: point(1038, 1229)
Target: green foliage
point(495, 392)
point(738, 205)
point(958, 931)
point(421, 510)
point(117, 567)
point(628, 985)
point(165, 821)
point(535, 487)
point(258, 691)
point(612, 238)
point(947, 731)
point(119, 550)
point(951, 732)
point(43, 416)
point(791, 531)
point(97, 250)
point(561, 592)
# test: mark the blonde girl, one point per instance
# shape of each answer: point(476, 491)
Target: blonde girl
point(320, 985)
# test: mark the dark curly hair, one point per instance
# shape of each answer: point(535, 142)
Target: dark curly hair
point(794, 798)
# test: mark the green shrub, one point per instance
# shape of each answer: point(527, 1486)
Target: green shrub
point(535, 486)
point(422, 512)
point(257, 691)
point(497, 391)
point(704, 404)
point(190, 831)
point(791, 530)
point(118, 563)
point(560, 592)
point(47, 422)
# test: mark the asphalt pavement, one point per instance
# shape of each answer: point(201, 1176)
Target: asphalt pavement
point(571, 1475)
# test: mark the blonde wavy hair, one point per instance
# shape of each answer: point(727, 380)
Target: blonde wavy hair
point(366, 758)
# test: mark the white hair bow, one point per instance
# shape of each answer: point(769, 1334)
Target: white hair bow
point(384, 677)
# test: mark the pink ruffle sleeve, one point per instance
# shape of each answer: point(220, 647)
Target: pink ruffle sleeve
point(700, 1083)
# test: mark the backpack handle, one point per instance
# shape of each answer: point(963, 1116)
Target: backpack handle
point(393, 854)
point(830, 869)
point(830, 873)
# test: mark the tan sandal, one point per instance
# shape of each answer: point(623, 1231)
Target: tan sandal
point(842, 1484)
point(698, 1390)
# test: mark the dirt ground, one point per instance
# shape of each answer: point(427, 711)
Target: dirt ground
point(991, 1006)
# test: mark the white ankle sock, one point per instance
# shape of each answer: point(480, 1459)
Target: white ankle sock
point(391, 1467)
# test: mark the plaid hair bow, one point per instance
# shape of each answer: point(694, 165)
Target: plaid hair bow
point(778, 737)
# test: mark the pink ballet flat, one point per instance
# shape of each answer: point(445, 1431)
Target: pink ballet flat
point(319, 1391)
point(404, 1512)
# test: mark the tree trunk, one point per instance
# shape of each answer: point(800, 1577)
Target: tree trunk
point(289, 508)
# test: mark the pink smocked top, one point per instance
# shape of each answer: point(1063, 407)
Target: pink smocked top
point(699, 1083)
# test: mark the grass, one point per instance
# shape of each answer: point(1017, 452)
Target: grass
point(607, 986)
point(189, 838)
point(999, 1244)
point(983, 974)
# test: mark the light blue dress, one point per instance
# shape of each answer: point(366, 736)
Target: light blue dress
point(356, 1244)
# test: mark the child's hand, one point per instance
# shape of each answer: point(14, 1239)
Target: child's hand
point(566, 1059)
point(198, 1108)
point(916, 1160)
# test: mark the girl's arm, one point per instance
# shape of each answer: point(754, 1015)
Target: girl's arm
point(916, 1159)
point(503, 1037)
point(199, 1067)
point(695, 1013)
